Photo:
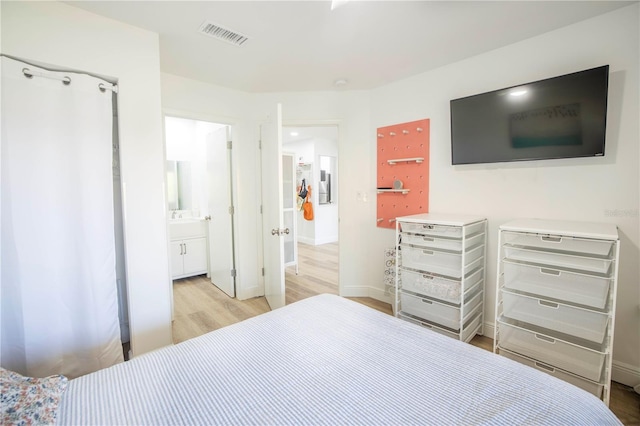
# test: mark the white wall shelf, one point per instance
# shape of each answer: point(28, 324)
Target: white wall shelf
point(405, 160)
point(403, 191)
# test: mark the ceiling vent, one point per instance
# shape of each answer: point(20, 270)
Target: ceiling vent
point(221, 33)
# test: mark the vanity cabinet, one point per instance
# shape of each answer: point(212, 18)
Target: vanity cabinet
point(188, 248)
point(555, 299)
point(188, 257)
point(440, 272)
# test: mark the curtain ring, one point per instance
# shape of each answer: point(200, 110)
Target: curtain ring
point(27, 73)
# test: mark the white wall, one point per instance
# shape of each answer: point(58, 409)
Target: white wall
point(602, 189)
point(60, 35)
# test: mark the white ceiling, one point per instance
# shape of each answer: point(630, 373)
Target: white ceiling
point(304, 45)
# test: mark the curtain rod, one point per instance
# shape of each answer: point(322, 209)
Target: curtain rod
point(66, 79)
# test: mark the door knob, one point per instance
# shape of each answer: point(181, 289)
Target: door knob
point(276, 231)
point(207, 218)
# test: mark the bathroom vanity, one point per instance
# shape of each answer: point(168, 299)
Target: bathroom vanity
point(188, 247)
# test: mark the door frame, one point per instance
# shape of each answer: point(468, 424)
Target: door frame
point(339, 124)
point(211, 118)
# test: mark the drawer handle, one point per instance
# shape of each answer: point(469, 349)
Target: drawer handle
point(545, 367)
point(430, 327)
point(545, 338)
point(429, 252)
point(428, 226)
point(550, 239)
point(427, 277)
point(428, 302)
point(550, 272)
point(427, 239)
point(548, 304)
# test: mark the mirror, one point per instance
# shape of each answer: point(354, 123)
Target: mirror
point(327, 184)
point(179, 185)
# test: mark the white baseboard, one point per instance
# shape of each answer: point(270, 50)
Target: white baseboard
point(626, 374)
point(355, 292)
point(326, 240)
point(317, 241)
point(376, 293)
point(305, 240)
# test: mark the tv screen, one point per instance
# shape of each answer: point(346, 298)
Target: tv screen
point(559, 117)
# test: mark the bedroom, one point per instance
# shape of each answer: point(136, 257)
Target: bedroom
point(579, 189)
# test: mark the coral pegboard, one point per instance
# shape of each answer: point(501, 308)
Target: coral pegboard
point(403, 171)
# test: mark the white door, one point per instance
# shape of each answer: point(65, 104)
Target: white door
point(272, 218)
point(220, 210)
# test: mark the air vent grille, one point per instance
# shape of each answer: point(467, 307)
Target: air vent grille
point(221, 33)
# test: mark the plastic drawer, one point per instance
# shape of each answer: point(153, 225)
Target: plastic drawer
point(578, 322)
point(589, 386)
point(584, 362)
point(581, 289)
point(582, 263)
point(445, 315)
point(440, 262)
point(468, 332)
point(441, 243)
point(441, 230)
point(600, 248)
point(435, 286)
point(430, 285)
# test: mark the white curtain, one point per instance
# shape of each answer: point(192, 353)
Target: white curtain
point(59, 294)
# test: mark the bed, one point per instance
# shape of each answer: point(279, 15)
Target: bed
point(325, 360)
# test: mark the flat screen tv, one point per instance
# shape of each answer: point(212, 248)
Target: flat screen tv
point(559, 117)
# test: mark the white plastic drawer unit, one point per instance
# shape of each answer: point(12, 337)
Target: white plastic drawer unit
point(575, 321)
point(441, 230)
point(577, 288)
point(442, 262)
point(580, 360)
point(430, 310)
point(589, 386)
point(435, 286)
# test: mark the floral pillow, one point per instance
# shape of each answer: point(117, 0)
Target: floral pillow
point(29, 400)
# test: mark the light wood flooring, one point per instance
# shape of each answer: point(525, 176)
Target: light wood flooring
point(200, 307)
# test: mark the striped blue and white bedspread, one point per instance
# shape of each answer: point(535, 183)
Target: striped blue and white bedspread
point(325, 360)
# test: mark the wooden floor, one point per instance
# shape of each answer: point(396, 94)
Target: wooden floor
point(200, 307)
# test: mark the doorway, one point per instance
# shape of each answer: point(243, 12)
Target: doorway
point(200, 202)
point(315, 151)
